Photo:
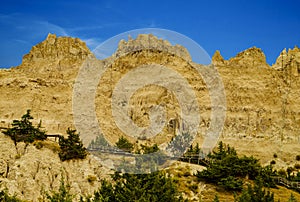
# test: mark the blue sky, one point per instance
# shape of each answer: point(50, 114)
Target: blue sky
point(228, 26)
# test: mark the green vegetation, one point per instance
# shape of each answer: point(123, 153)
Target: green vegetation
point(227, 170)
point(71, 147)
point(292, 198)
point(148, 149)
point(23, 130)
point(91, 178)
point(4, 197)
point(63, 194)
point(151, 159)
point(157, 186)
point(99, 142)
point(144, 163)
point(295, 178)
point(124, 144)
point(179, 143)
point(191, 153)
point(131, 187)
point(281, 172)
point(216, 199)
point(255, 193)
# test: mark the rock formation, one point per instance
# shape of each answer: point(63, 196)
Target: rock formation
point(289, 60)
point(217, 59)
point(151, 42)
point(263, 105)
point(252, 57)
point(55, 58)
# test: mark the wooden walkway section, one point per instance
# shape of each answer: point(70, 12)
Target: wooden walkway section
point(191, 158)
point(55, 136)
point(110, 151)
point(288, 184)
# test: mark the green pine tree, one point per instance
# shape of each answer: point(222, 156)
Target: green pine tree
point(143, 187)
point(23, 130)
point(227, 169)
point(216, 199)
point(4, 197)
point(256, 193)
point(71, 147)
point(63, 194)
point(292, 198)
point(124, 144)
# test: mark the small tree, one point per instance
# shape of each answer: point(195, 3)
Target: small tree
point(63, 194)
point(256, 193)
point(4, 197)
point(227, 169)
point(289, 171)
point(99, 142)
point(124, 144)
point(23, 130)
point(292, 198)
point(216, 199)
point(71, 147)
point(149, 149)
point(156, 186)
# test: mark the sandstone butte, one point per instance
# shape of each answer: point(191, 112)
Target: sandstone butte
point(262, 116)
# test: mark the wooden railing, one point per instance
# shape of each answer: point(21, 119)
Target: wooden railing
point(188, 157)
point(288, 184)
point(56, 136)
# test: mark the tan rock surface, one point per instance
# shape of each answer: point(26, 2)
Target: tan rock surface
point(28, 171)
point(263, 105)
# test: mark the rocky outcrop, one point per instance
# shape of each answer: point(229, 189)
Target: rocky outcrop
point(252, 57)
point(56, 57)
point(30, 171)
point(151, 42)
point(217, 59)
point(289, 60)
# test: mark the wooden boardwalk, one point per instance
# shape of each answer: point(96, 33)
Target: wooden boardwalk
point(286, 183)
point(55, 136)
point(191, 158)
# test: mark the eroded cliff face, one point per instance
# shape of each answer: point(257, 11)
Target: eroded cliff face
point(262, 104)
point(43, 83)
point(30, 171)
point(262, 118)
